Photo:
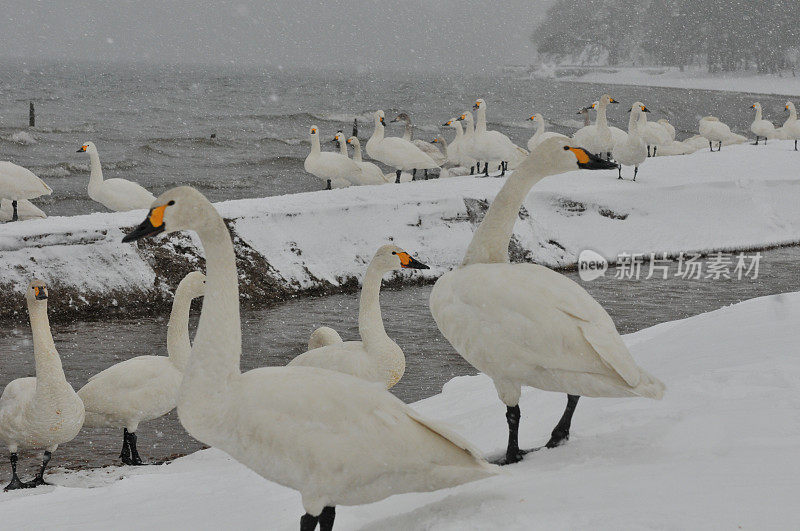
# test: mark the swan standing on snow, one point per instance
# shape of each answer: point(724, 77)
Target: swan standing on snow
point(714, 131)
point(118, 195)
point(335, 438)
point(540, 134)
point(494, 145)
point(40, 412)
point(376, 358)
point(633, 151)
point(524, 324)
point(18, 184)
point(335, 169)
point(370, 172)
point(456, 151)
point(145, 387)
point(791, 127)
point(654, 134)
point(668, 127)
point(599, 138)
point(396, 152)
point(760, 127)
point(25, 210)
point(408, 134)
point(449, 168)
point(468, 143)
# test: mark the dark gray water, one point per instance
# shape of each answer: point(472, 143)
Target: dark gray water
point(152, 123)
point(273, 336)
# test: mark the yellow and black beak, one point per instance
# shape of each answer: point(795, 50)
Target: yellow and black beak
point(39, 293)
point(348, 141)
point(435, 140)
point(383, 122)
point(152, 225)
point(407, 262)
point(589, 161)
point(462, 117)
point(451, 121)
point(612, 100)
point(81, 149)
point(476, 106)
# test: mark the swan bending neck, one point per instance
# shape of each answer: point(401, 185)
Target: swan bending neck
point(179, 346)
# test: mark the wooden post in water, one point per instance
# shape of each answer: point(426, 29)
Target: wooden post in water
point(32, 116)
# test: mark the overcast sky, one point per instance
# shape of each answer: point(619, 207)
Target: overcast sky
point(337, 33)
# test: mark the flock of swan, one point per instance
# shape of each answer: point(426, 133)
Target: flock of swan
point(325, 424)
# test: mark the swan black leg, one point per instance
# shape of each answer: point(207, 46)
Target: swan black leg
point(326, 518)
point(765, 140)
point(502, 168)
point(15, 481)
point(561, 432)
point(608, 155)
point(513, 453)
point(328, 186)
point(636, 171)
point(655, 148)
point(795, 144)
point(14, 216)
point(486, 169)
point(133, 457)
point(756, 141)
point(710, 147)
point(398, 177)
point(648, 150)
point(308, 522)
point(719, 146)
point(619, 168)
point(414, 174)
point(472, 168)
point(426, 175)
point(39, 479)
point(125, 454)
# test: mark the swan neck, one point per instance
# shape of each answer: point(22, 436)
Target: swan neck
point(459, 130)
point(480, 126)
point(357, 153)
point(48, 363)
point(602, 121)
point(217, 348)
point(377, 133)
point(343, 149)
point(179, 346)
point(96, 174)
point(408, 134)
point(490, 242)
point(315, 144)
point(759, 115)
point(370, 320)
point(792, 114)
point(540, 128)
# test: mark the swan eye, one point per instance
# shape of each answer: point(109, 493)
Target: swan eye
point(566, 148)
point(393, 252)
point(171, 203)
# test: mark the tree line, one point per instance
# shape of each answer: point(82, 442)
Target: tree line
point(725, 35)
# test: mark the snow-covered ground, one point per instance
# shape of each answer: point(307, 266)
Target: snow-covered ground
point(720, 451)
point(692, 78)
point(742, 197)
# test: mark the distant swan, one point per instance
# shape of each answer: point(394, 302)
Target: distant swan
point(599, 137)
point(494, 145)
point(40, 412)
point(791, 127)
point(335, 438)
point(408, 134)
point(145, 387)
point(370, 173)
point(714, 131)
point(396, 152)
point(540, 134)
point(17, 184)
point(525, 324)
point(457, 151)
point(760, 127)
point(633, 151)
point(334, 169)
point(118, 195)
point(376, 357)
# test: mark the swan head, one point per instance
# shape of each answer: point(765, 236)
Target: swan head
point(87, 147)
point(181, 208)
point(640, 105)
point(606, 99)
point(756, 106)
point(466, 117)
point(36, 292)
point(536, 118)
point(353, 141)
point(313, 131)
point(380, 119)
point(479, 104)
point(789, 106)
point(437, 140)
point(558, 155)
point(402, 117)
point(586, 110)
point(193, 284)
point(392, 257)
point(338, 139)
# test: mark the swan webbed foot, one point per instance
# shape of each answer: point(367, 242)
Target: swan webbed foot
point(560, 433)
point(36, 482)
point(514, 457)
point(39, 479)
point(16, 483)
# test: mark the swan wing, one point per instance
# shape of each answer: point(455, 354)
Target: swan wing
point(121, 195)
point(348, 357)
point(534, 316)
point(17, 392)
point(397, 152)
point(17, 182)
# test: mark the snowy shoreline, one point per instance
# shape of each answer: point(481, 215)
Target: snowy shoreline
point(742, 198)
point(691, 78)
point(716, 452)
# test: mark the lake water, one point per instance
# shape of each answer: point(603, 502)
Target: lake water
point(273, 336)
point(153, 124)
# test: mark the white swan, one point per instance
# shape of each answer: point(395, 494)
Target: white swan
point(408, 134)
point(633, 151)
point(760, 127)
point(456, 150)
point(396, 152)
point(145, 387)
point(654, 134)
point(449, 168)
point(791, 127)
point(523, 324)
point(494, 145)
point(18, 183)
point(335, 169)
point(40, 412)
point(376, 357)
point(323, 336)
point(599, 138)
point(540, 134)
point(25, 210)
point(370, 173)
point(335, 438)
point(118, 195)
point(668, 127)
point(714, 131)
point(468, 143)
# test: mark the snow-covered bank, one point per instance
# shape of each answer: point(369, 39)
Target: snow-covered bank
point(743, 197)
point(691, 78)
point(720, 451)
